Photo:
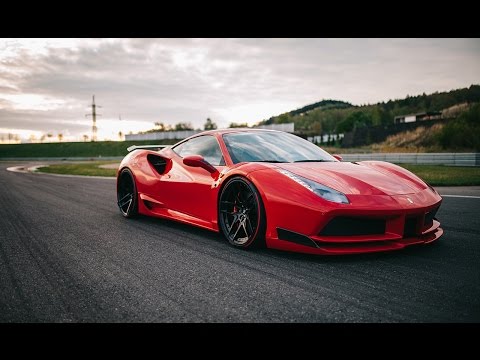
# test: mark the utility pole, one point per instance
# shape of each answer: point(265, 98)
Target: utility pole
point(94, 118)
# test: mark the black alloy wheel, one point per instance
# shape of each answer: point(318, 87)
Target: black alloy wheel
point(241, 214)
point(127, 194)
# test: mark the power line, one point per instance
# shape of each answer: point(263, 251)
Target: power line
point(94, 119)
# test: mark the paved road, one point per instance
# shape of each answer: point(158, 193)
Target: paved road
point(66, 255)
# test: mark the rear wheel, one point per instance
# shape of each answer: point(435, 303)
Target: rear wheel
point(127, 194)
point(241, 215)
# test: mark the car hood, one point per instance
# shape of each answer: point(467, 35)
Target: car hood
point(366, 178)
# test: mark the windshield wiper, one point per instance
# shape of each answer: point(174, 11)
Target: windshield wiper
point(318, 160)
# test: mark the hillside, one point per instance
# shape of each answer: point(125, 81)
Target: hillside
point(334, 117)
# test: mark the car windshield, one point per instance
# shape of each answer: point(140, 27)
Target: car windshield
point(277, 147)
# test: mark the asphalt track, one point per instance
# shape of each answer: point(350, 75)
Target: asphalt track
point(67, 255)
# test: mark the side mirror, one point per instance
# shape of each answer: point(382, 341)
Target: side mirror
point(338, 157)
point(199, 161)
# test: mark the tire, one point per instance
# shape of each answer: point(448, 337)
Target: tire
point(241, 214)
point(127, 194)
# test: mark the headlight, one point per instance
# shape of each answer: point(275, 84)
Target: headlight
point(321, 190)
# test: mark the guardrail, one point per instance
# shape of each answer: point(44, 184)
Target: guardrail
point(454, 159)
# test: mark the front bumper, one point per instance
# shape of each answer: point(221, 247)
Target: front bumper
point(400, 221)
point(312, 245)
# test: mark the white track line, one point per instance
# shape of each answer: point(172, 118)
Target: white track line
point(75, 176)
point(461, 196)
point(33, 170)
point(17, 169)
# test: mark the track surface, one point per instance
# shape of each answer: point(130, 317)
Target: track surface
point(67, 255)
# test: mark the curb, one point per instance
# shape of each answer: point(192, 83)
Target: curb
point(34, 170)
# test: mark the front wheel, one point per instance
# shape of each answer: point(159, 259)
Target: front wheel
point(241, 214)
point(127, 194)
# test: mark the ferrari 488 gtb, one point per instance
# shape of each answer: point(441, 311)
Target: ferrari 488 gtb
point(264, 187)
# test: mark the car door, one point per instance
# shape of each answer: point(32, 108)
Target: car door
point(189, 189)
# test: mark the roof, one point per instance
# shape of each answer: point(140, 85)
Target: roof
point(422, 113)
point(232, 130)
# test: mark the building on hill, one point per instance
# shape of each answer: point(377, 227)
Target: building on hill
point(430, 115)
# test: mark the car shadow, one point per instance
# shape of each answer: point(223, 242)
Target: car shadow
point(217, 238)
point(416, 250)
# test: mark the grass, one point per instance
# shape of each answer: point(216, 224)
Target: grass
point(439, 175)
point(74, 149)
point(89, 169)
point(436, 175)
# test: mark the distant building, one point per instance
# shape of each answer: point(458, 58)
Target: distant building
point(430, 115)
point(287, 127)
point(162, 135)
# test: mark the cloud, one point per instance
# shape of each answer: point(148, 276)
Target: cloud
point(228, 80)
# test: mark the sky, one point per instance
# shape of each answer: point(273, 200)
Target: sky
point(46, 85)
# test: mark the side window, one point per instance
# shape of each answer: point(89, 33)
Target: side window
point(206, 145)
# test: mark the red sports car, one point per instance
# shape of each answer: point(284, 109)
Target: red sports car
point(264, 187)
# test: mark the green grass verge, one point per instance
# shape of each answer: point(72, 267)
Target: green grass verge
point(436, 175)
point(439, 175)
point(74, 149)
point(89, 169)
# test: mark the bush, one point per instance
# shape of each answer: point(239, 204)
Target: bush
point(464, 132)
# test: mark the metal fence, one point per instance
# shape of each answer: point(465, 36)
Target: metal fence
point(456, 159)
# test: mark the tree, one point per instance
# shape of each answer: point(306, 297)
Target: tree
point(317, 127)
point(32, 138)
point(183, 126)
point(461, 133)
point(60, 137)
point(355, 120)
point(120, 135)
point(160, 126)
point(237, 125)
point(85, 138)
point(42, 138)
point(283, 119)
point(209, 125)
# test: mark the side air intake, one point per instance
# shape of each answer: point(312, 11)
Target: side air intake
point(158, 163)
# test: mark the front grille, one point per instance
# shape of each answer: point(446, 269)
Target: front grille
point(410, 229)
point(356, 245)
point(352, 226)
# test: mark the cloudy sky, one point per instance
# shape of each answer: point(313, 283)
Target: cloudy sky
point(46, 85)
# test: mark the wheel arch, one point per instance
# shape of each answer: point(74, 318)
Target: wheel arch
point(250, 179)
point(120, 170)
point(122, 174)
